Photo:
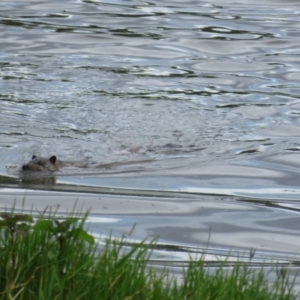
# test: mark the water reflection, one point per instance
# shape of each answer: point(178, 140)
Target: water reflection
point(184, 224)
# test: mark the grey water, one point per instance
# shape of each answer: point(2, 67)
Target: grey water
point(186, 115)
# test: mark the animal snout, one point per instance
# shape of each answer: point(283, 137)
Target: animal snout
point(25, 168)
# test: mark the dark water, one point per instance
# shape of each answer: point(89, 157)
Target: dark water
point(194, 106)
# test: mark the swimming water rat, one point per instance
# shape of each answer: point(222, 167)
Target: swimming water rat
point(52, 164)
point(43, 164)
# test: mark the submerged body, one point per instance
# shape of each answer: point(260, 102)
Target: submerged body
point(52, 164)
point(37, 164)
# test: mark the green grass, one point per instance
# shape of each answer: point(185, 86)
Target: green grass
point(52, 258)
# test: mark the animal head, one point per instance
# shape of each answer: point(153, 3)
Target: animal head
point(37, 164)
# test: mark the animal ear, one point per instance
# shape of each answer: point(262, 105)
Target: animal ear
point(33, 157)
point(52, 159)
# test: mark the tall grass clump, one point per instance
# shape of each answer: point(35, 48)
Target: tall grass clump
point(237, 281)
point(55, 258)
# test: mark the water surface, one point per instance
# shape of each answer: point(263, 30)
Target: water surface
point(186, 115)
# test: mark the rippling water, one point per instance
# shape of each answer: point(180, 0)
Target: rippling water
point(195, 105)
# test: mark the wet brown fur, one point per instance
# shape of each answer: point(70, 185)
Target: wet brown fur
point(38, 164)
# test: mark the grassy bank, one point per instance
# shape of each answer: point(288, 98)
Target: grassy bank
point(50, 258)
